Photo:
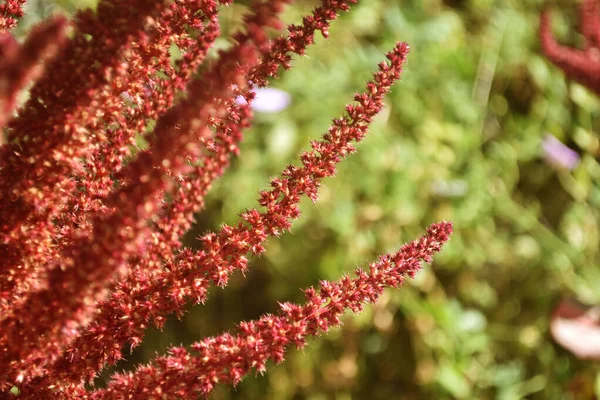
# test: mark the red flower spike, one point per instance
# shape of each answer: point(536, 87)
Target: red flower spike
point(582, 66)
point(227, 358)
point(10, 13)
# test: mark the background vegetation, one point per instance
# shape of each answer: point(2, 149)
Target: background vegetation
point(460, 140)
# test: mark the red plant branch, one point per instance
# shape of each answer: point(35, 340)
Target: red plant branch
point(194, 186)
point(582, 66)
point(229, 357)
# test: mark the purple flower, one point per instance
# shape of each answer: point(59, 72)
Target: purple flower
point(268, 100)
point(558, 154)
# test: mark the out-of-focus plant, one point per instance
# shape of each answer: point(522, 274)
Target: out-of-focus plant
point(92, 220)
point(582, 66)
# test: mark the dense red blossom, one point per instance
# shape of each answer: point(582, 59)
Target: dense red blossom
point(10, 12)
point(80, 279)
point(229, 357)
point(582, 66)
point(91, 227)
point(57, 128)
point(148, 298)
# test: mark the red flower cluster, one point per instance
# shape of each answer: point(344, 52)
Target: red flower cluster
point(90, 250)
point(227, 358)
point(10, 12)
point(582, 66)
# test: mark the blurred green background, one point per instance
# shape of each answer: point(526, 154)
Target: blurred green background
point(460, 139)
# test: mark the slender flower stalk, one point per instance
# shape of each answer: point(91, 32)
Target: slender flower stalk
point(582, 66)
point(228, 130)
point(229, 357)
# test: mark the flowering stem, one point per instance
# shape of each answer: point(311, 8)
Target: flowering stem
point(229, 357)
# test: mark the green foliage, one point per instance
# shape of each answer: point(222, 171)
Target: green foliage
point(460, 140)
